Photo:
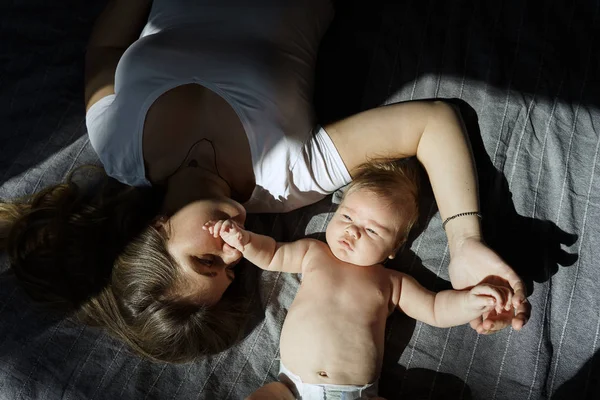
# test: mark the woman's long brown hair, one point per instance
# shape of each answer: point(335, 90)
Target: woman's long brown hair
point(91, 250)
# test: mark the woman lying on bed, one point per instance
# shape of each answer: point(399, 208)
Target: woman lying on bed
point(211, 103)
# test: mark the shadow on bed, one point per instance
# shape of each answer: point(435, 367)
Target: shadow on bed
point(585, 381)
point(533, 247)
point(396, 381)
point(346, 84)
point(41, 80)
point(423, 385)
point(436, 37)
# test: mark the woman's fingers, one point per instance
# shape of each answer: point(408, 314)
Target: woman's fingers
point(495, 322)
point(476, 323)
point(520, 304)
point(490, 323)
point(485, 324)
point(512, 307)
point(519, 298)
point(508, 296)
point(520, 291)
point(522, 313)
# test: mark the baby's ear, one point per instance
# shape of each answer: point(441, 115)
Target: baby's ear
point(401, 242)
point(395, 251)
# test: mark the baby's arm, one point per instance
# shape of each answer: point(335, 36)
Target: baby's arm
point(448, 307)
point(262, 251)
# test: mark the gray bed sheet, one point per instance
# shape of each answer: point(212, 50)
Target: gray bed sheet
point(526, 77)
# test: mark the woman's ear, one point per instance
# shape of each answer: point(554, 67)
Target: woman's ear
point(160, 221)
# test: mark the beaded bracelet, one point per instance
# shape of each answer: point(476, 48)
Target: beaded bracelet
point(460, 215)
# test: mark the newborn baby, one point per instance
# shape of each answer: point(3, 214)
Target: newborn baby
point(332, 339)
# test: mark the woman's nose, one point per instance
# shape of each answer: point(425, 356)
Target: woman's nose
point(230, 255)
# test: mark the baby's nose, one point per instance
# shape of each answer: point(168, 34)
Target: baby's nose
point(353, 231)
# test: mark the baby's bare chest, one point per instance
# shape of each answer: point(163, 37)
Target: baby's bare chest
point(360, 291)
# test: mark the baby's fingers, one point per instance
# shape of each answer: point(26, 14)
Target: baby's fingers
point(483, 303)
point(506, 294)
point(497, 292)
point(229, 231)
point(210, 227)
point(230, 226)
point(218, 228)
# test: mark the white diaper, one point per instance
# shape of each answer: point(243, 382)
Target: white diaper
point(313, 391)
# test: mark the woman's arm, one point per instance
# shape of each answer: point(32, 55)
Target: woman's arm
point(116, 29)
point(430, 130)
point(433, 132)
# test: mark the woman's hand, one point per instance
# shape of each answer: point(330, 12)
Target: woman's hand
point(474, 263)
point(486, 297)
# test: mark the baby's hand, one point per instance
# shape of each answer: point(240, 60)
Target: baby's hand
point(486, 297)
point(230, 232)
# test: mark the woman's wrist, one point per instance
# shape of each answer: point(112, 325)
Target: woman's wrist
point(462, 229)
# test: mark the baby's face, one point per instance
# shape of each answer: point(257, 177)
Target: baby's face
point(364, 229)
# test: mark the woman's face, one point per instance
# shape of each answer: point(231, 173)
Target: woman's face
point(207, 261)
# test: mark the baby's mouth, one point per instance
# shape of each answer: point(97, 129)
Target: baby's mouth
point(346, 244)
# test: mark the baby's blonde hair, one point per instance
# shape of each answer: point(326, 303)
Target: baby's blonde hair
point(395, 180)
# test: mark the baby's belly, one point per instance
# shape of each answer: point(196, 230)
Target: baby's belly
point(323, 343)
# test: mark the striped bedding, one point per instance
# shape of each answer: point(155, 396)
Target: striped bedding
point(525, 75)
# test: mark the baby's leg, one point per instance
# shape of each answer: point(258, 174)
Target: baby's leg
point(272, 391)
